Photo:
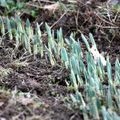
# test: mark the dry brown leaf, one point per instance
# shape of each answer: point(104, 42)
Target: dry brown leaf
point(1, 104)
point(26, 101)
point(52, 7)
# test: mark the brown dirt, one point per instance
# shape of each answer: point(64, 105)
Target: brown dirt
point(41, 80)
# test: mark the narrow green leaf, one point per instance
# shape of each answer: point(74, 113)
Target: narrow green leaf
point(64, 56)
point(86, 42)
point(109, 71)
point(92, 40)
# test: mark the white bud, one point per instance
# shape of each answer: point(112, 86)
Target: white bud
point(97, 56)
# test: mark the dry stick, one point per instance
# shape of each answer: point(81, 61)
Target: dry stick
point(76, 19)
point(112, 25)
point(116, 16)
point(47, 1)
point(39, 2)
point(58, 19)
point(39, 7)
point(52, 2)
point(100, 26)
point(104, 20)
point(36, 6)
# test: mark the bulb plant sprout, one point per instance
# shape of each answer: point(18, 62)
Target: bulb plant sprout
point(97, 100)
